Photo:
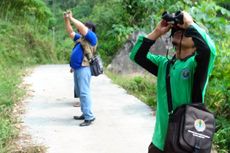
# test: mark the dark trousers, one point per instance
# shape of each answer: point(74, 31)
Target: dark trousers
point(154, 149)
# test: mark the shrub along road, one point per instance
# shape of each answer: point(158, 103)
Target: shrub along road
point(123, 123)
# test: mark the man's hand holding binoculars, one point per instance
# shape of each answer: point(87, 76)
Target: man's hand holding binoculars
point(187, 20)
point(159, 30)
point(67, 14)
point(179, 20)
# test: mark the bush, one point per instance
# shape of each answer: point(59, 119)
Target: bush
point(218, 97)
point(222, 136)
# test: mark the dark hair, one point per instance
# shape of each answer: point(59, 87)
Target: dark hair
point(91, 26)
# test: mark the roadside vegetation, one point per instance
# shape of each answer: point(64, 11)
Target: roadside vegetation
point(142, 86)
point(25, 40)
point(32, 32)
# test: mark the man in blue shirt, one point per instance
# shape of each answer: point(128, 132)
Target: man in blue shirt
point(80, 66)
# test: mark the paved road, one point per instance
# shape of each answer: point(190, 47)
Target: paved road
point(123, 123)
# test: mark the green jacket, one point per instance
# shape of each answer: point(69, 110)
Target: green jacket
point(188, 77)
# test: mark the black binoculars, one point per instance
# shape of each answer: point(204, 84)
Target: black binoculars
point(175, 18)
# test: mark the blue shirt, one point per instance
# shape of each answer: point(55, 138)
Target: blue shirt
point(77, 52)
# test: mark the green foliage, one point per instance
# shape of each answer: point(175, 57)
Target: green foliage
point(111, 29)
point(25, 46)
point(84, 8)
point(137, 11)
point(143, 87)
point(120, 32)
point(213, 17)
point(9, 94)
point(222, 137)
point(5, 133)
point(219, 90)
point(218, 96)
point(33, 11)
point(25, 40)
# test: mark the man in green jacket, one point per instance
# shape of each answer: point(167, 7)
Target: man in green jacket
point(189, 72)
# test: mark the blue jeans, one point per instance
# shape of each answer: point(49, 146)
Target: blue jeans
point(82, 77)
point(76, 90)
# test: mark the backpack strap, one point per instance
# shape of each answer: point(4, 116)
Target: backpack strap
point(89, 50)
point(168, 88)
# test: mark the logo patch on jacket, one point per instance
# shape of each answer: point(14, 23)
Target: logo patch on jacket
point(185, 74)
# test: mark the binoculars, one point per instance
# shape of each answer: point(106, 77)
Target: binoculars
point(66, 13)
point(175, 18)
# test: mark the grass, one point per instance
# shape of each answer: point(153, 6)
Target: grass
point(143, 87)
point(11, 95)
point(18, 50)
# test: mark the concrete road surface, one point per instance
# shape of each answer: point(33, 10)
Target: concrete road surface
point(123, 123)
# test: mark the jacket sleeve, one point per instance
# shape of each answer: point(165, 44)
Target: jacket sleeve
point(205, 55)
point(139, 54)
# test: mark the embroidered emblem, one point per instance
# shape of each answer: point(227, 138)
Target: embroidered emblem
point(199, 125)
point(185, 74)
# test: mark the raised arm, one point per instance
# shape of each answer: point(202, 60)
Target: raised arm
point(78, 24)
point(68, 26)
point(205, 55)
point(140, 52)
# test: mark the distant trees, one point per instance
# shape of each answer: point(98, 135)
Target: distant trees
point(25, 10)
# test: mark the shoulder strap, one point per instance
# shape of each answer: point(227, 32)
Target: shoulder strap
point(168, 88)
point(89, 50)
